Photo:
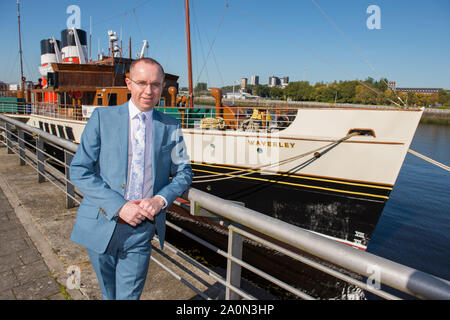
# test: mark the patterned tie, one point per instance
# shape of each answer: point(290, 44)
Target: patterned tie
point(136, 183)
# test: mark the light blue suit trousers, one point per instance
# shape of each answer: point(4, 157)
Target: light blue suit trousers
point(122, 269)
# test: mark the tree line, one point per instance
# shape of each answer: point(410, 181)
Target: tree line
point(369, 91)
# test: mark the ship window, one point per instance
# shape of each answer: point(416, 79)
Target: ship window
point(53, 127)
point(46, 127)
point(41, 125)
point(128, 96)
point(69, 133)
point(88, 98)
point(112, 99)
point(61, 132)
point(99, 101)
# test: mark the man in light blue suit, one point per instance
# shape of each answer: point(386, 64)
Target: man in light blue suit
point(131, 164)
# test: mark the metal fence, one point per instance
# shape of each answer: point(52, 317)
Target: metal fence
point(28, 143)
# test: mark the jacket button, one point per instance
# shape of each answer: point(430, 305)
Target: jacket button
point(122, 186)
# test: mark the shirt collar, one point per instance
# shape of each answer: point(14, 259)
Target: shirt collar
point(134, 111)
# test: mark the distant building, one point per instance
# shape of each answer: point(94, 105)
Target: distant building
point(240, 95)
point(274, 81)
point(4, 86)
point(255, 80)
point(422, 90)
point(244, 83)
point(392, 85)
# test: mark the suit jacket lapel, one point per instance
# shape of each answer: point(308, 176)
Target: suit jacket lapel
point(158, 135)
point(123, 136)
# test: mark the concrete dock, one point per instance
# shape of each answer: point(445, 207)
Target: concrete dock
point(36, 251)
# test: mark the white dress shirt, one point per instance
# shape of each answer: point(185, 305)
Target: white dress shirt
point(148, 176)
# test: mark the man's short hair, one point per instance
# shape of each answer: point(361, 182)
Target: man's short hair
point(149, 61)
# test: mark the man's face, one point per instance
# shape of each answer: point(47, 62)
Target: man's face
point(145, 84)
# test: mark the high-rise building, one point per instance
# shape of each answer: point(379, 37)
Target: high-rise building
point(255, 80)
point(274, 81)
point(284, 81)
point(244, 83)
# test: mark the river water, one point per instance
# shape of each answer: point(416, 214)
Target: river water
point(414, 228)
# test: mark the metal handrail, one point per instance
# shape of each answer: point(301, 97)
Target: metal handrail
point(395, 275)
point(392, 274)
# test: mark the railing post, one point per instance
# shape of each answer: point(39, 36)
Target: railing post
point(40, 159)
point(70, 189)
point(21, 147)
point(8, 138)
point(235, 242)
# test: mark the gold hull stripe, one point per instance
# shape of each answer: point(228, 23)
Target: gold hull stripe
point(294, 184)
point(298, 177)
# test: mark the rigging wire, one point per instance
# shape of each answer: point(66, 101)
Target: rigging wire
point(270, 28)
point(165, 25)
point(118, 14)
point(245, 172)
point(137, 23)
point(12, 67)
point(178, 12)
point(227, 5)
point(197, 29)
point(331, 21)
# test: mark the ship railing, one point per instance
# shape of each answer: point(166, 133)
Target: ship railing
point(14, 107)
point(57, 111)
point(46, 109)
point(363, 270)
point(250, 119)
point(200, 117)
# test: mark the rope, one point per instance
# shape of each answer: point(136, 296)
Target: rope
point(440, 165)
point(245, 172)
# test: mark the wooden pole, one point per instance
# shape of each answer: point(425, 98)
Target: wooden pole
point(129, 47)
point(22, 78)
point(188, 39)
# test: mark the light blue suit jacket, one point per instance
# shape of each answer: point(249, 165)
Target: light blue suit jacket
point(99, 171)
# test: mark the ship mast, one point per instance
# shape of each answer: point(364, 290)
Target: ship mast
point(22, 78)
point(188, 40)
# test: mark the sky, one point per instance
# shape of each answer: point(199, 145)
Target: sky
point(406, 41)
